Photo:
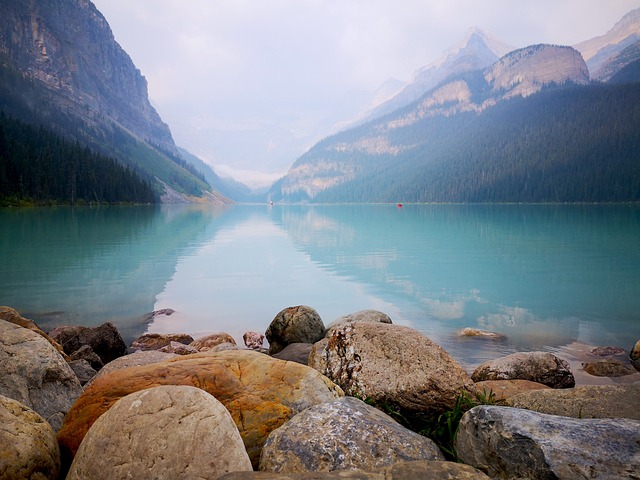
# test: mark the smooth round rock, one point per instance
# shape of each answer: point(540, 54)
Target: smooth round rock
point(162, 432)
point(541, 367)
point(345, 434)
point(299, 324)
point(28, 445)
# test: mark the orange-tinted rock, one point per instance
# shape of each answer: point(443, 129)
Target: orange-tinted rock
point(260, 392)
point(204, 344)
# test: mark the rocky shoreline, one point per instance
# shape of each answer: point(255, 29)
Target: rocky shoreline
point(361, 398)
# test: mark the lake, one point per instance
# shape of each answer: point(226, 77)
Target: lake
point(560, 278)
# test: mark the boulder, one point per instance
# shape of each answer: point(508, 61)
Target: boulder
point(540, 367)
point(28, 445)
point(392, 366)
point(345, 434)
point(504, 389)
point(204, 344)
point(591, 401)
point(477, 333)
point(260, 392)
point(10, 315)
point(83, 370)
point(178, 348)
point(85, 352)
point(35, 374)
point(155, 341)
point(415, 470)
point(374, 316)
point(134, 360)
point(607, 351)
point(299, 324)
point(253, 340)
point(162, 432)
point(608, 367)
point(104, 340)
point(509, 442)
point(295, 352)
point(634, 356)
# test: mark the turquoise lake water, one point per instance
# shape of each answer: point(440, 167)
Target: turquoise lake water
point(561, 278)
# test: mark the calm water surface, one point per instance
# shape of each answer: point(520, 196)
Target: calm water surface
point(556, 278)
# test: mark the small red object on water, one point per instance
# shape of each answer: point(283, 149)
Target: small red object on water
point(399, 205)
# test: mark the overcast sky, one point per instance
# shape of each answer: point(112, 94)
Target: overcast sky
point(249, 85)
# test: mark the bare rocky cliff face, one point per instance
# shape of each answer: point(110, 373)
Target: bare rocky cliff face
point(68, 47)
point(521, 73)
point(596, 51)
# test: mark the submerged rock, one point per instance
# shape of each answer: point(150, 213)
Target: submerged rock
point(540, 367)
point(299, 324)
point(509, 442)
point(607, 351)
point(477, 333)
point(608, 368)
point(162, 432)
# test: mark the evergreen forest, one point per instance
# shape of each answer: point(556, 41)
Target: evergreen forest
point(40, 167)
point(563, 144)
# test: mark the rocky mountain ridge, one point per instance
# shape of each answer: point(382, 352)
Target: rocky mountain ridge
point(520, 73)
point(477, 50)
point(596, 51)
point(69, 48)
point(61, 67)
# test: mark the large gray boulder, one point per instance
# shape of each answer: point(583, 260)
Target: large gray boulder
point(591, 401)
point(345, 434)
point(393, 367)
point(28, 445)
point(510, 443)
point(299, 324)
point(104, 340)
point(161, 432)
point(35, 374)
point(410, 470)
point(541, 367)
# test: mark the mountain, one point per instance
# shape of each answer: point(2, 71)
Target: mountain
point(61, 68)
point(528, 128)
point(477, 50)
point(598, 50)
point(613, 65)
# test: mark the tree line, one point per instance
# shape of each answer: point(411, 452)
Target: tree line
point(564, 144)
point(40, 167)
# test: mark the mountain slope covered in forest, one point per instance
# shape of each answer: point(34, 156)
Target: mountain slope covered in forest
point(61, 68)
point(527, 129)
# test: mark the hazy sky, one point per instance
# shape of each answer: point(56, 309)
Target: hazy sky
point(249, 85)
